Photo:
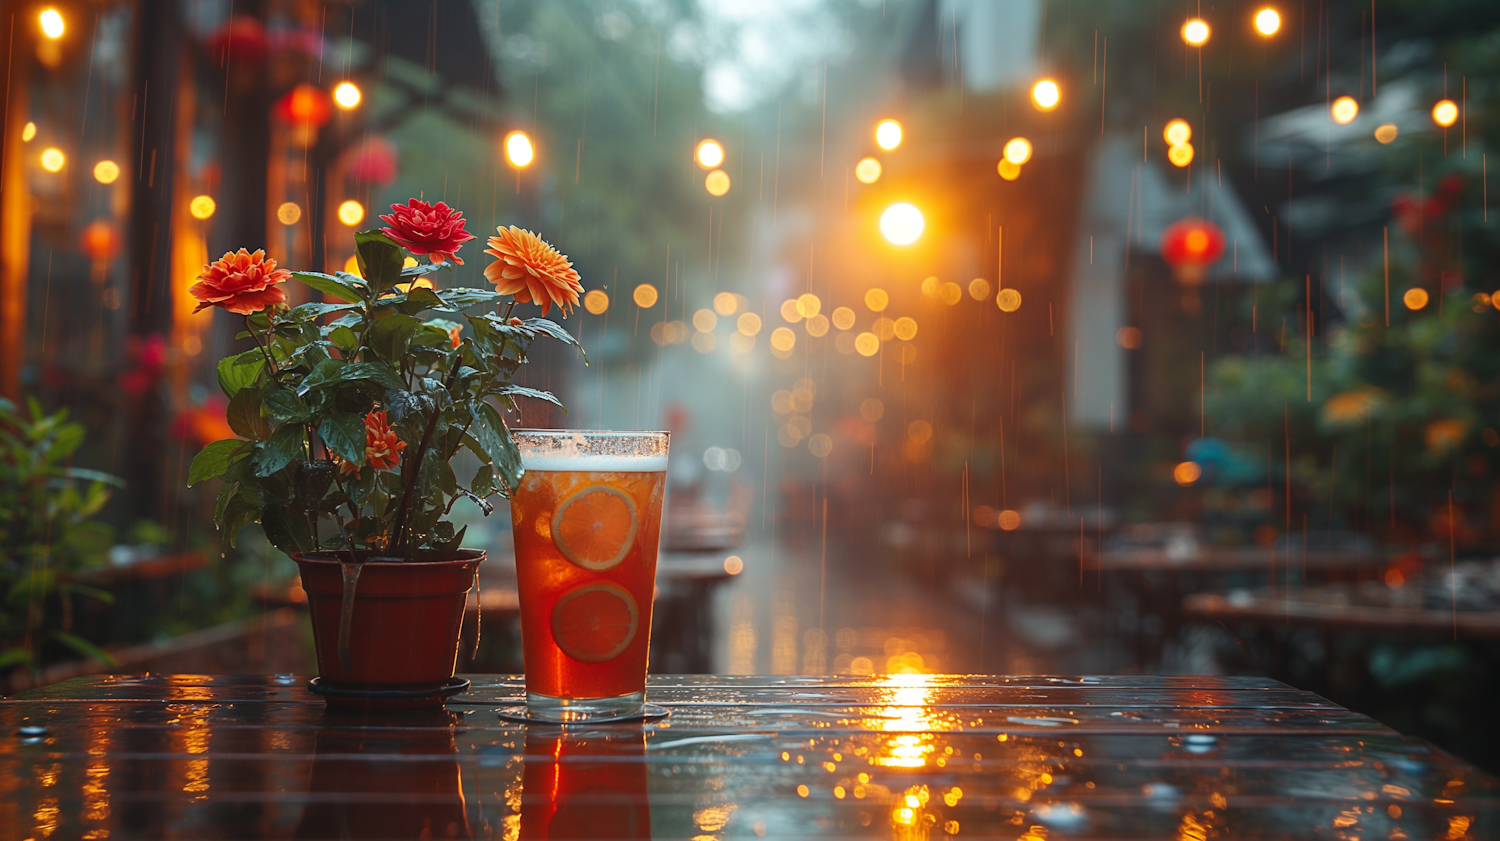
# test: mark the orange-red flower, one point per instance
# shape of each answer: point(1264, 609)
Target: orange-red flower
point(456, 335)
point(240, 282)
point(424, 228)
point(533, 271)
point(382, 447)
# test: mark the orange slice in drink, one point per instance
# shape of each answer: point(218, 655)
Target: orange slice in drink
point(595, 526)
point(596, 622)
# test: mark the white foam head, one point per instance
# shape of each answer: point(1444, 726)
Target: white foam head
point(598, 464)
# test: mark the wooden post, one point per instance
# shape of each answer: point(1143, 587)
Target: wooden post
point(15, 209)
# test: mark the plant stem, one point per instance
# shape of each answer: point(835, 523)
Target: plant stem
point(270, 360)
point(410, 473)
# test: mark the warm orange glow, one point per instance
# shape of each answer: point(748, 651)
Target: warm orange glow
point(734, 565)
point(783, 339)
point(288, 213)
point(105, 172)
point(596, 301)
point(645, 296)
point(1445, 113)
point(717, 183)
point(53, 160)
point(351, 213)
point(906, 328)
point(867, 170)
point(1181, 154)
point(710, 154)
point(1009, 300)
point(1195, 32)
point(518, 150)
point(809, 305)
point(1008, 170)
point(901, 224)
point(725, 303)
point(1018, 150)
point(790, 311)
point(202, 207)
point(351, 266)
point(1186, 473)
point(1415, 298)
point(888, 134)
point(748, 324)
point(1386, 133)
point(868, 344)
point(877, 300)
point(705, 320)
point(1344, 110)
point(346, 95)
point(1045, 95)
point(1267, 21)
point(28, 131)
point(1177, 132)
point(1128, 338)
point(1010, 520)
point(979, 289)
point(52, 24)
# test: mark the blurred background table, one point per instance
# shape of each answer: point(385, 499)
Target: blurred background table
point(905, 756)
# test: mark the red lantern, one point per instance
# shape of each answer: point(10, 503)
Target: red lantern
point(305, 105)
point(241, 39)
point(100, 241)
point(373, 161)
point(1191, 245)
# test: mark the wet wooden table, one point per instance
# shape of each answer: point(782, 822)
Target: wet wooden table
point(906, 757)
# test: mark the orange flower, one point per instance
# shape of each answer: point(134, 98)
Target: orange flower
point(533, 271)
point(382, 447)
point(456, 334)
point(240, 282)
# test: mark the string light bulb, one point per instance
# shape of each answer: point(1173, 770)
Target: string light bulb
point(518, 150)
point(1045, 95)
point(346, 95)
point(710, 154)
point(902, 224)
point(52, 24)
point(888, 134)
point(1195, 32)
point(1344, 110)
point(1267, 21)
point(1445, 113)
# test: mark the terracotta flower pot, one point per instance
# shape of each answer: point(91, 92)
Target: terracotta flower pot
point(394, 645)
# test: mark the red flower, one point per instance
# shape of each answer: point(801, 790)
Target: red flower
point(382, 447)
point(423, 228)
point(240, 282)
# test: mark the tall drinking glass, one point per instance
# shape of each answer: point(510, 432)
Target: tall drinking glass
point(587, 522)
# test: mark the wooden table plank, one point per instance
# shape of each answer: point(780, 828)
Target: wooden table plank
point(903, 757)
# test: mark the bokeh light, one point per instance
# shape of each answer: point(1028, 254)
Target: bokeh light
point(843, 318)
point(710, 154)
point(817, 325)
point(950, 293)
point(871, 409)
point(867, 170)
point(877, 300)
point(1181, 154)
point(979, 289)
point(596, 301)
point(351, 213)
point(1009, 520)
point(1195, 32)
point(1008, 170)
point(906, 328)
point(1009, 300)
point(351, 266)
point(1177, 132)
point(1186, 473)
point(1415, 298)
point(809, 305)
point(1344, 110)
point(518, 149)
point(1267, 21)
point(734, 565)
point(105, 172)
point(725, 303)
point(202, 207)
point(901, 224)
point(1445, 113)
point(783, 339)
point(716, 182)
point(820, 445)
point(868, 344)
point(790, 311)
point(53, 159)
point(888, 134)
point(884, 329)
point(288, 213)
point(1128, 337)
point(28, 131)
point(1045, 94)
point(52, 24)
point(1386, 133)
point(705, 320)
point(748, 324)
point(645, 296)
point(704, 342)
point(346, 95)
point(1018, 150)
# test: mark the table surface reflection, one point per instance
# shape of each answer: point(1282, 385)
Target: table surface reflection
point(895, 756)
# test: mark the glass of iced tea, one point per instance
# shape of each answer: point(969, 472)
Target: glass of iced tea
point(587, 522)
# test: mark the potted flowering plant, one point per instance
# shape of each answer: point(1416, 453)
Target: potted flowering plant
point(350, 413)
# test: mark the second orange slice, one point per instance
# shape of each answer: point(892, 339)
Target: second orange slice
point(595, 527)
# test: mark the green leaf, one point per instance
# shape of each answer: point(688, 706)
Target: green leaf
point(419, 299)
point(391, 336)
point(338, 287)
point(285, 406)
point(345, 339)
point(213, 460)
point(464, 297)
point(244, 415)
point(493, 436)
point(511, 390)
point(239, 371)
point(344, 433)
point(484, 481)
point(227, 491)
point(286, 445)
point(323, 374)
point(556, 331)
point(84, 647)
point(380, 259)
point(378, 372)
point(14, 657)
point(422, 269)
point(307, 312)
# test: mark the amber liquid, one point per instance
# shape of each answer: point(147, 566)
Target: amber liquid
point(544, 576)
point(585, 786)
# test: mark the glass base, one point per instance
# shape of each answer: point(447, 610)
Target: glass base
point(545, 708)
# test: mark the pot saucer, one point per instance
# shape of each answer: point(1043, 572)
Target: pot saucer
point(421, 698)
point(525, 715)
